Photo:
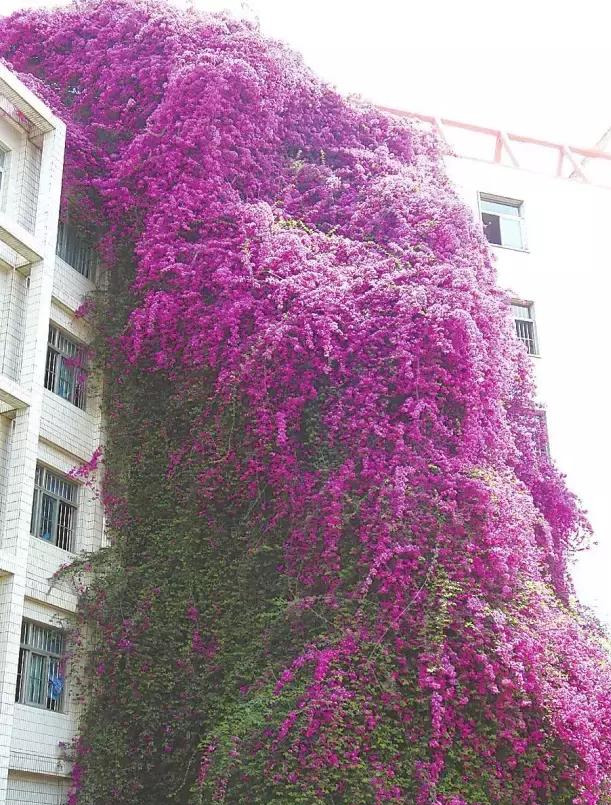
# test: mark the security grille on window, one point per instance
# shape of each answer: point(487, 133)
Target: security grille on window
point(40, 671)
point(73, 249)
point(503, 221)
point(524, 317)
point(65, 368)
point(54, 509)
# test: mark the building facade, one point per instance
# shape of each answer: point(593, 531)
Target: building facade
point(545, 208)
point(49, 425)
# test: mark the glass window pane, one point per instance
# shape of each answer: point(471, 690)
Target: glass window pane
point(65, 383)
point(47, 518)
point(34, 512)
point(51, 369)
point(37, 683)
point(20, 669)
point(65, 526)
point(511, 233)
point(500, 207)
point(55, 685)
point(492, 228)
point(521, 311)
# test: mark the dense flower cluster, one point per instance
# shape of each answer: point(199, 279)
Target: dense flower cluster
point(339, 571)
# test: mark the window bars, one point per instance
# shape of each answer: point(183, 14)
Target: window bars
point(74, 250)
point(40, 669)
point(54, 509)
point(526, 330)
point(65, 368)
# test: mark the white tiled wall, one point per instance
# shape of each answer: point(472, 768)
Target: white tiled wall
point(35, 789)
point(30, 158)
point(68, 427)
point(42, 427)
point(69, 287)
point(13, 300)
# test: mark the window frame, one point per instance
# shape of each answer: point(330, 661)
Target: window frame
point(531, 319)
point(520, 217)
point(29, 648)
point(53, 378)
point(42, 490)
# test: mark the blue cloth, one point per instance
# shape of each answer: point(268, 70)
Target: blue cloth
point(56, 685)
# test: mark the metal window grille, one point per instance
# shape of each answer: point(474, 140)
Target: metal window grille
point(65, 372)
point(54, 509)
point(40, 669)
point(526, 330)
point(503, 221)
point(75, 251)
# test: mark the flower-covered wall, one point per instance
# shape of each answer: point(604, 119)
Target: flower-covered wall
point(339, 562)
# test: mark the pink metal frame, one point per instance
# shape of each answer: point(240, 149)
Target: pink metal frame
point(506, 148)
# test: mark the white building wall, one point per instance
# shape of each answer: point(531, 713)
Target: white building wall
point(566, 273)
point(36, 425)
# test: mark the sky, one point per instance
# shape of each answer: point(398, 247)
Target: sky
point(532, 67)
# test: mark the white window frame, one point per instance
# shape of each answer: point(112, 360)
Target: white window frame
point(60, 377)
point(520, 217)
point(43, 646)
point(531, 341)
point(56, 499)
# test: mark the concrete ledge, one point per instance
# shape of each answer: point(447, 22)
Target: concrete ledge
point(19, 239)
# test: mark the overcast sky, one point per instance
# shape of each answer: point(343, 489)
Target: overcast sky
point(533, 67)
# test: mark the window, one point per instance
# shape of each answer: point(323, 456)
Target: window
point(65, 368)
point(75, 251)
point(503, 221)
point(524, 317)
point(40, 671)
point(54, 509)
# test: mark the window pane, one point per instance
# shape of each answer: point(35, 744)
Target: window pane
point(20, 668)
point(37, 683)
point(500, 208)
point(526, 333)
point(65, 383)
point(47, 518)
point(51, 369)
point(35, 504)
point(511, 233)
point(492, 228)
point(65, 526)
point(521, 311)
point(55, 685)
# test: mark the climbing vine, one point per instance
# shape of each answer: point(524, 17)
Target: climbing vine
point(338, 570)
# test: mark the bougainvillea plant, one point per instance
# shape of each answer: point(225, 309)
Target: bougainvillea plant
point(338, 570)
